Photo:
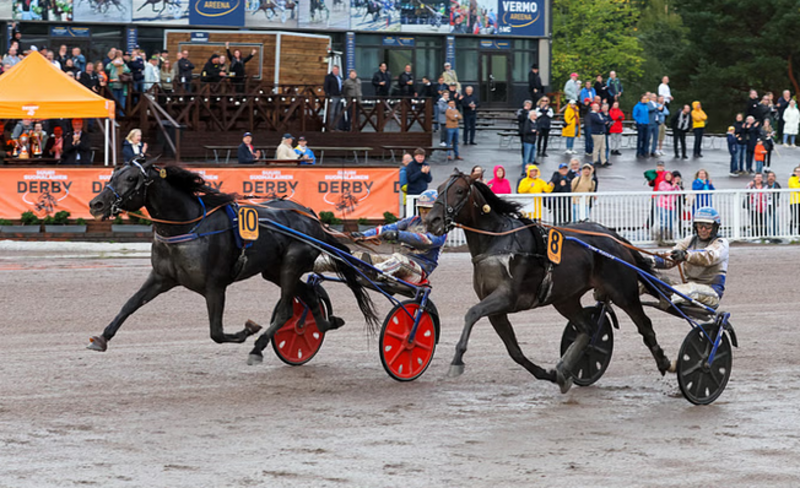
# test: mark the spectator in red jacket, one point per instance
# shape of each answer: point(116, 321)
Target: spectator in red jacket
point(617, 116)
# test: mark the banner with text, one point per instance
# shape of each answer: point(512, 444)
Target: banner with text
point(223, 13)
point(350, 193)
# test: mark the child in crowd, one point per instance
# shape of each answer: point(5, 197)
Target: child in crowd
point(732, 150)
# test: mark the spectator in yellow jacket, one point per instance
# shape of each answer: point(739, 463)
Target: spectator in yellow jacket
point(699, 126)
point(572, 125)
point(794, 199)
point(534, 184)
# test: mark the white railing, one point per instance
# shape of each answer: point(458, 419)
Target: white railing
point(647, 217)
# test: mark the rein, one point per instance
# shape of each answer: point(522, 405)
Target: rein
point(451, 212)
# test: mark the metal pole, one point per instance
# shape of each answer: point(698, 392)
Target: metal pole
point(105, 145)
point(114, 143)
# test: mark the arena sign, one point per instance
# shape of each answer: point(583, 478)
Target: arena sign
point(229, 13)
point(521, 17)
point(350, 193)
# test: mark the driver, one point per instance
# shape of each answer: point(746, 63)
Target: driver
point(423, 248)
point(705, 255)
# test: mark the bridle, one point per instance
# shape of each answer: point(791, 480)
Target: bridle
point(450, 212)
point(143, 183)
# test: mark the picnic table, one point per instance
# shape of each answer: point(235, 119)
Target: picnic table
point(355, 150)
point(410, 149)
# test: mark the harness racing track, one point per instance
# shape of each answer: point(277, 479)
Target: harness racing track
point(165, 406)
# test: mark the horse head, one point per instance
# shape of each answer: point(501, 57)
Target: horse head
point(126, 190)
point(455, 195)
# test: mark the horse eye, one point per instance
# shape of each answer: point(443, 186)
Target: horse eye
point(131, 179)
point(460, 191)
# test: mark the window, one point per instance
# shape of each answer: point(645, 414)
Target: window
point(429, 63)
point(367, 59)
point(466, 64)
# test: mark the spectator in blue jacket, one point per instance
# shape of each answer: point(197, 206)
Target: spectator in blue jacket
point(733, 150)
point(418, 173)
point(246, 153)
point(614, 86)
point(652, 124)
point(598, 123)
point(407, 158)
point(304, 153)
point(641, 114)
point(587, 98)
point(135, 63)
point(662, 114)
point(133, 147)
point(702, 181)
point(78, 59)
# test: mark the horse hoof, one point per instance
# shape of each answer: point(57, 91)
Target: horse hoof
point(251, 327)
point(455, 370)
point(336, 322)
point(564, 381)
point(673, 366)
point(99, 344)
point(254, 359)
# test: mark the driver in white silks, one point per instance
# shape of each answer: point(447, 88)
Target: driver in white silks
point(705, 258)
point(424, 248)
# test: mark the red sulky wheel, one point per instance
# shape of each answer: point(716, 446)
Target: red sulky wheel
point(406, 361)
point(297, 343)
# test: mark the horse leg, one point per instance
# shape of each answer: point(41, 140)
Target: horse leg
point(575, 313)
point(503, 328)
point(310, 297)
point(215, 303)
point(152, 287)
point(645, 327)
point(498, 302)
point(290, 283)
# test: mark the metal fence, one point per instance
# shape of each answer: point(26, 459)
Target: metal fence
point(647, 217)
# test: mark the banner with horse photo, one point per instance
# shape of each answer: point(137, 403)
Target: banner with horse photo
point(160, 11)
point(324, 14)
point(350, 193)
point(102, 11)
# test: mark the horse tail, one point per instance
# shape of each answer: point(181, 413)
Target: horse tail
point(350, 276)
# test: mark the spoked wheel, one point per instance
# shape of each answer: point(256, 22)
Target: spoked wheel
point(404, 360)
point(595, 360)
point(702, 383)
point(299, 340)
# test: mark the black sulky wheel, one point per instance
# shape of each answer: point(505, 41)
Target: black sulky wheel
point(296, 343)
point(702, 383)
point(595, 360)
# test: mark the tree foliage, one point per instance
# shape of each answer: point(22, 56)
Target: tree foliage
point(732, 46)
point(712, 50)
point(593, 37)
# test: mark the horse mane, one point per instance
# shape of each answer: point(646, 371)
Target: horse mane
point(193, 184)
point(499, 205)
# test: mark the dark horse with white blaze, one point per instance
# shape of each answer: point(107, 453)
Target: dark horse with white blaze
point(208, 260)
point(511, 274)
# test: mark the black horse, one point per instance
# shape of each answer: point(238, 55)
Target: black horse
point(209, 260)
point(511, 273)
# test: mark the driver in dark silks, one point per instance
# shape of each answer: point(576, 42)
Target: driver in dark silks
point(415, 266)
point(705, 255)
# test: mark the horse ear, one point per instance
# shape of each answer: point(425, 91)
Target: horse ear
point(149, 163)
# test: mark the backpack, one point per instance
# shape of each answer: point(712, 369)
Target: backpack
point(651, 175)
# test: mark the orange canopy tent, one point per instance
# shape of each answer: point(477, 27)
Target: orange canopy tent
point(36, 89)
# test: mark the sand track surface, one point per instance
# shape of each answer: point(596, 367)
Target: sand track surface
point(165, 406)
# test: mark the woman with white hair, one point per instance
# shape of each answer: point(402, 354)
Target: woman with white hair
point(133, 147)
point(791, 121)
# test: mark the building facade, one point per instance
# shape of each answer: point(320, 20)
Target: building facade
point(491, 44)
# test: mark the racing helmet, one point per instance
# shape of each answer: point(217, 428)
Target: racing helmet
point(707, 215)
point(427, 198)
